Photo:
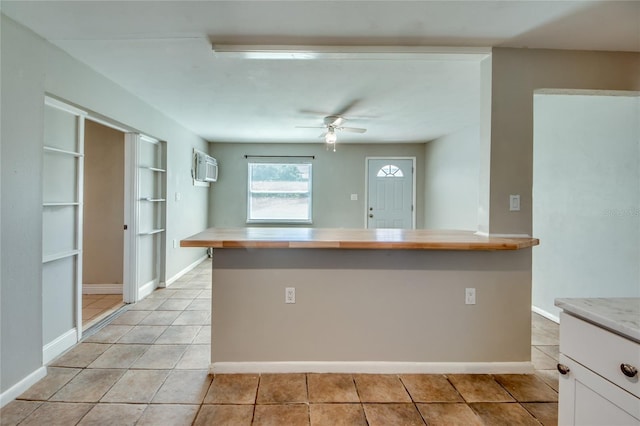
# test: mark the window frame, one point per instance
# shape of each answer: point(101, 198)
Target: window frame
point(392, 173)
point(280, 162)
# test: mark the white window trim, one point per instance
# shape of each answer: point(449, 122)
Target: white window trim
point(275, 160)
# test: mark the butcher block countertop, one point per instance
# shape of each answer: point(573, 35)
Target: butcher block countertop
point(338, 238)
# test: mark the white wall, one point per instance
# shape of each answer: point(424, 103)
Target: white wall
point(586, 197)
point(452, 174)
point(32, 67)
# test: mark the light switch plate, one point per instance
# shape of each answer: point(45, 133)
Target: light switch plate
point(354, 197)
point(290, 295)
point(514, 203)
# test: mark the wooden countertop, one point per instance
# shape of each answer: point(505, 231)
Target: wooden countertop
point(380, 239)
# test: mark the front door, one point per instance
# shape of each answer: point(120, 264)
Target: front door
point(390, 193)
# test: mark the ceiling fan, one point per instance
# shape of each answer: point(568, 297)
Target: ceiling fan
point(333, 123)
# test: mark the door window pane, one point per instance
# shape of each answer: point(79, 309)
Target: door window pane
point(389, 171)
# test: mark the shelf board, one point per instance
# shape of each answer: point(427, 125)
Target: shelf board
point(152, 232)
point(61, 255)
point(154, 169)
point(62, 151)
point(60, 204)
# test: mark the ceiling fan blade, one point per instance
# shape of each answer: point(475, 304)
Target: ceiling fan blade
point(348, 107)
point(352, 129)
point(322, 135)
point(310, 127)
point(314, 113)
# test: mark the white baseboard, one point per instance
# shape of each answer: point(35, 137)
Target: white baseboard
point(102, 288)
point(60, 344)
point(546, 314)
point(372, 367)
point(184, 271)
point(147, 289)
point(16, 390)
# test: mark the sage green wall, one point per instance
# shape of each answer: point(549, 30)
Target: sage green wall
point(336, 175)
point(452, 181)
point(23, 62)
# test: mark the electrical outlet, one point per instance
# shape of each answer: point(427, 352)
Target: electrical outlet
point(470, 296)
point(290, 295)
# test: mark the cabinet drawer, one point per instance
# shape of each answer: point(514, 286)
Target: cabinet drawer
point(600, 350)
point(588, 399)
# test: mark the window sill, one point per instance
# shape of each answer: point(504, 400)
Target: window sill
point(279, 222)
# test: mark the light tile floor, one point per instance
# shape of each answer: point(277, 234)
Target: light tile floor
point(96, 307)
point(149, 367)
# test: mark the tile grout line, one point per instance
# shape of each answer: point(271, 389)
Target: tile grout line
point(415, 405)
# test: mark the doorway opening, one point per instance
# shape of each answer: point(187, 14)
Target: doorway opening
point(118, 239)
point(103, 219)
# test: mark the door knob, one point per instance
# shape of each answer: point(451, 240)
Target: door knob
point(370, 215)
point(563, 369)
point(370, 208)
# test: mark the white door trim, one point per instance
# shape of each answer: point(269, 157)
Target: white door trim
point(131, 217)
point(80, 224)
point(366, 187)
point(129, 293)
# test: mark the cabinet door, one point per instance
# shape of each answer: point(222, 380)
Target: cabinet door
point(588, 399)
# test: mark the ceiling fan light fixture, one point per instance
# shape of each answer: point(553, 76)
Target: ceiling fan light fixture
point(330, 137)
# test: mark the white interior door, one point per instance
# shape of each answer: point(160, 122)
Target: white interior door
point(390, 194)
point(145, 238)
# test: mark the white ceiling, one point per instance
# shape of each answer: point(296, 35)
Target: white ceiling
point(161, 51)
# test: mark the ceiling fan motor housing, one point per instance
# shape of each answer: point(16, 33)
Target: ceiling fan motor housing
point(333, 121)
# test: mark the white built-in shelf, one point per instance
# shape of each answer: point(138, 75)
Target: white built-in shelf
point(152, 232)
point(60, 204)
point(62, 151)
point(153, 200)
point(154, 169)
point(60, 255)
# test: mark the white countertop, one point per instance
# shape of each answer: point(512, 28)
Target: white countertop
point(620, 315)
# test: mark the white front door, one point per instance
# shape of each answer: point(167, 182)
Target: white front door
point(390, 193)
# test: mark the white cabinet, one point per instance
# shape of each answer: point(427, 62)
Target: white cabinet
point(594, 389)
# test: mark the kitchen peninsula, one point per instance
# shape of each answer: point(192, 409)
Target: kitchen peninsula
point(367, 300)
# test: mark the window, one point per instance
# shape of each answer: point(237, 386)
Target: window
point(389, 171)
point(279, 192)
